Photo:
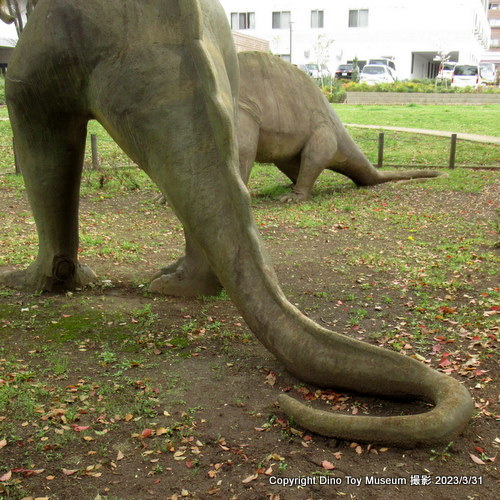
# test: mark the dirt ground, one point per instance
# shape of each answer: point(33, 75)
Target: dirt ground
point(143, 397)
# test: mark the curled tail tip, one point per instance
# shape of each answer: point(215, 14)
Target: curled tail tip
point(439, 425)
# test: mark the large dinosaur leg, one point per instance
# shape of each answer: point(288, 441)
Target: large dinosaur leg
point(316, 154)
point(189, 276)
point(50, 150)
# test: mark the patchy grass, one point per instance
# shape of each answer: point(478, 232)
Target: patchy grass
point(401, 148)
point(111, 391)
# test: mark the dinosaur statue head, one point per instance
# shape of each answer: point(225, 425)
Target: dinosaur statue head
point(4, 14)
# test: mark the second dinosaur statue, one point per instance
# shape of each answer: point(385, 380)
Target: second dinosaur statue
point(285, 119)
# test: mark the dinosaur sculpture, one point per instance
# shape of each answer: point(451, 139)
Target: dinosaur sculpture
point(169, 100)
point(285, 119)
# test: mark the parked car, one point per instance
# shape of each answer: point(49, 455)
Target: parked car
point(466, 75)
point(345, 71)
point(385, 61)
point(376, 73)
point(488, 73)
point(314, 70)
point(446, 71)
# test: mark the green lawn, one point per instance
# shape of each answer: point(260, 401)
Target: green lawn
point(466, 119)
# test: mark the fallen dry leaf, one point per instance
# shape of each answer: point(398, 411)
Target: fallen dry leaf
point(120, 455)
point(476, 460)
point(69, 472)
point(327, 465)
point(80, 428)
point(6, 476)
point(270, 379)
point(249, 479)
point(146, 433)
point(3, 443)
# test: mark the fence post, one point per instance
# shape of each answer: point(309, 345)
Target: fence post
point(380, 160)
point(453, 150)
point(95, 156)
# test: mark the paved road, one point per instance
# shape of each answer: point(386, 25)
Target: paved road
point(441, 133)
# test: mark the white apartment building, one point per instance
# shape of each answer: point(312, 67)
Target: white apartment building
point(336, 31)
point(332, 32)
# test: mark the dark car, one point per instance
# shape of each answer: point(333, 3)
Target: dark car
point(344, 71)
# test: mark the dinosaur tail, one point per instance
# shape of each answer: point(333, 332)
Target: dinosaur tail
point(351, 162)
point(327, 359)
point(234, 250)
point(452, 410)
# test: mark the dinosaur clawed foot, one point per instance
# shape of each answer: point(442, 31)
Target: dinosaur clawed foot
point(64, 276)
point(294, 197)
point(178, 280)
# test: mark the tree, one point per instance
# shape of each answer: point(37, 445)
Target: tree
point(322, 52)
point(355, 70)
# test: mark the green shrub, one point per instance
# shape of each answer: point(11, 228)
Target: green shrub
point(421, 86)
point(335, 92)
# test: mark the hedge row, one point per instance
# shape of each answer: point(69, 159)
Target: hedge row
point(337, 91)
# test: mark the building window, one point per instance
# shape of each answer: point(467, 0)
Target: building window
point(242, 20)
point(358, 18)
point(317, 19)
point(281, 20)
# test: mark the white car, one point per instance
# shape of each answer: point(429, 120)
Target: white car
point(315, 71)
point(466, 75)
point(488, 73)
point(372, 74)
point(385, 61)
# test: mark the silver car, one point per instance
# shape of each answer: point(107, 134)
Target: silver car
point(372, 74)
